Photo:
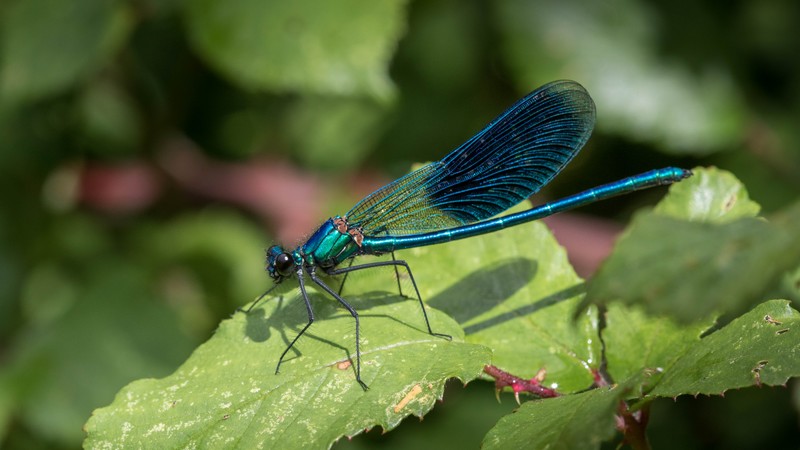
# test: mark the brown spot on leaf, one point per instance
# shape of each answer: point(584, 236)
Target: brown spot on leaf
point(729, 203)
point(757, 371)
point(770, 320)
point(415, 391)
point(344, 365)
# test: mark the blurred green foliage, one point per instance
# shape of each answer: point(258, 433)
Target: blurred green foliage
point(114, 264)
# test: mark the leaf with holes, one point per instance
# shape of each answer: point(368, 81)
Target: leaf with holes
point(757, 348)
point(654, 357)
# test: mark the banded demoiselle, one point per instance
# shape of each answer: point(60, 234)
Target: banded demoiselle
point(455, 198)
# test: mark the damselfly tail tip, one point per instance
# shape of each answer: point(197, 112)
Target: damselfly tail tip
point(675, 174)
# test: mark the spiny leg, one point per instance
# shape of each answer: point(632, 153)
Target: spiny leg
point(395, 263)
point(352, 313)
point(310, 317)
point(396, 274)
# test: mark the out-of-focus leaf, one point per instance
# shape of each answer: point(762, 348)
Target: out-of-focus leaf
point(110, 123)
point(331, 47)
point(8, 401)
point(612, 49)
point(227, 394)
point(334, 133)
point(247, 131)
point(207, 264)
point(690, 270)
point(161, 8)
point(791, 285)
point(10, 272)
point(70, 366)
point(48, 46)
point(577, 421)
point(796, 396)
point(217, 235)
point(711, 195)
point(443, 52)
point(47, 294)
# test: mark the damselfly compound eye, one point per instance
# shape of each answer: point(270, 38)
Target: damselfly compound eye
point(284, 264)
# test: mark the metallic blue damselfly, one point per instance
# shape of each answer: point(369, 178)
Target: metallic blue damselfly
point(455, 198)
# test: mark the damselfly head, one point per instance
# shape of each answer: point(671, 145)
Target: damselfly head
point(279, 263)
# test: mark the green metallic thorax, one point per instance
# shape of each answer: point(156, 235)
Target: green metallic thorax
point(329, 245)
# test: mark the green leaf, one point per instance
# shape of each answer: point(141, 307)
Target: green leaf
point(691, 270)
point(515, 292)
point(698, 269)
point(332, 47)
point(344, 130)
point(213, 235)
point(662, 359)
point(791, 284)
point(8, 402)
point(48, 46)
point(757, 348)
point(577, 421)
point(110, 124)
point(636, 342)
point(227, 393)
point(613, 48)
point(711, 195)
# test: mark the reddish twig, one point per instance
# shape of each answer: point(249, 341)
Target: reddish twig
point(533, 386)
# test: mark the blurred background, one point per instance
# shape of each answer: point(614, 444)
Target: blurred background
point(150, 150)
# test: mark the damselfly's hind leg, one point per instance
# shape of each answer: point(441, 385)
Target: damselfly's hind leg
point(396, 263)
point(396, 274)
